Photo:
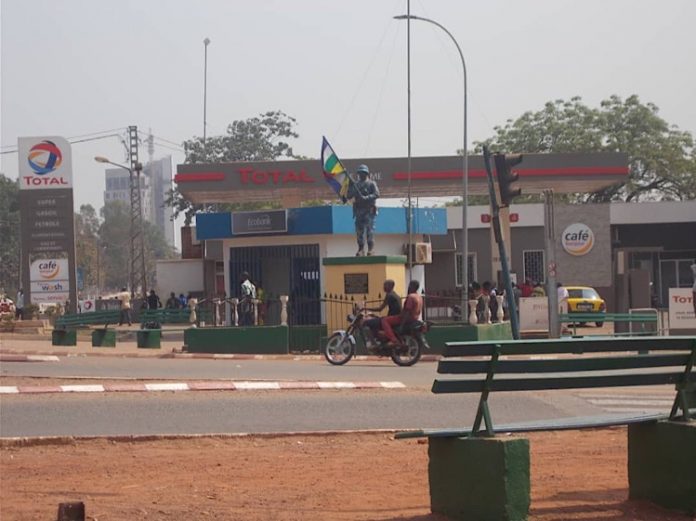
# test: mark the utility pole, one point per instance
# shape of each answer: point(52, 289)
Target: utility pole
point(137, 239)
point(550, 245)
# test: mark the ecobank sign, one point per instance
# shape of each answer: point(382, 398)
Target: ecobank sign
point(44, 162)
point(577, 239)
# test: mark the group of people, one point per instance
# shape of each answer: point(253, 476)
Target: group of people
point(397, 315)
point(153, 302)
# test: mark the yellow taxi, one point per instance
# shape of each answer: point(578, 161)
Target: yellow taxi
point(583, 299)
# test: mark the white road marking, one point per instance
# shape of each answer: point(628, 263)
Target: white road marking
point(8, 389)
point(167, 387)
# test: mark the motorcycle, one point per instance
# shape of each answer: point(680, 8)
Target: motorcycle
point(340, 347)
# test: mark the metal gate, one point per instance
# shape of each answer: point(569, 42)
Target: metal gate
point(282, 270)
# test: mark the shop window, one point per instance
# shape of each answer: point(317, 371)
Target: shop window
point(534, 265)
point(471, 267)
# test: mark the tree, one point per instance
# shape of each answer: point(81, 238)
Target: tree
point(9, 236)
point(261, 138)
point(662, 158)
point(114, 234)
point(87, 243)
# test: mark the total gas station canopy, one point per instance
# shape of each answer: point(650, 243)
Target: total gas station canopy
point(430, 177)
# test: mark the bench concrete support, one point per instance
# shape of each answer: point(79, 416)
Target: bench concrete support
point(150, 339)
point(62, 337)
point(662, 464)
point(486, 479)
point(103, 338)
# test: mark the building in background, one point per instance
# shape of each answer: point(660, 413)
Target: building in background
point(159, 173)
point(156, 181)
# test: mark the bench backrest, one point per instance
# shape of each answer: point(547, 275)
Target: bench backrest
point(86, 319)
point(525, 365)
point(172, 316)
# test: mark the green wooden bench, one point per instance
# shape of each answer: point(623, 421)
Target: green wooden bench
point(600, 318)
point(65, 329)
point(172, 316)
point(149, 337)
point(511, 366)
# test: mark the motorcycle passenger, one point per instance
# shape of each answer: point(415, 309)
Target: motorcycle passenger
point(392, 301)
point(410, 313)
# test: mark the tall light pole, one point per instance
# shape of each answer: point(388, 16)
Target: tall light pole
point(465, 176)
point(206, 42)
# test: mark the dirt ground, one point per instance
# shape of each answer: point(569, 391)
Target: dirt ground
point(575, 476)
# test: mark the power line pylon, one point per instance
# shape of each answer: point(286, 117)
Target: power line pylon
point(137, 239)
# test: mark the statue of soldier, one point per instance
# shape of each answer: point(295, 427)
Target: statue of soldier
point(364, 193)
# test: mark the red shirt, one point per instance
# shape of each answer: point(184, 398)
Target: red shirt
point(413, 306)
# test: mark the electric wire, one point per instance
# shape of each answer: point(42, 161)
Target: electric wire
point(362, 80)
point(381, 91)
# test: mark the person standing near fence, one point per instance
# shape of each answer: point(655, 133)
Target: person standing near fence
point(172, 302)
point(153, 300)
point(19, 305)
point(125, 298)
point(246, 303)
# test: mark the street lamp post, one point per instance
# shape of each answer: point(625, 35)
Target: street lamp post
point(136, 231)
point(465, 176)
point(206, 42)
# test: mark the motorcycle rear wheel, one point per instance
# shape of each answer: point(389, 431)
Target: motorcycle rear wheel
point(339, 349)
point(409, 355)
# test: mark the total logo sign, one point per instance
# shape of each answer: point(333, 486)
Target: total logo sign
point(577, 239)
point(44, 162)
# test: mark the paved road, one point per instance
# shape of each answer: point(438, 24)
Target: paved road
point(280, 411)
point(203, 412)
point(420, 375)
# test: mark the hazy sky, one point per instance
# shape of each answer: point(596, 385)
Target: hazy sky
point(75, 67)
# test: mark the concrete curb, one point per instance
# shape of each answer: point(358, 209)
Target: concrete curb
point(205, 356)
point(28, 358)
point(196, 386)
point(34, 441)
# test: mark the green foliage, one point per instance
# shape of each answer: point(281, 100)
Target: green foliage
point(87, 242)
point(662, 159)
point(261, 138)
point(114, 235)
point(9, 236)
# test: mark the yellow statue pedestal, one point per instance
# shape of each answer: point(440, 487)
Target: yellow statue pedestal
point(356, 280)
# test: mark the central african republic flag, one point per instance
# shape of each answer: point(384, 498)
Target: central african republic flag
point(334, 173)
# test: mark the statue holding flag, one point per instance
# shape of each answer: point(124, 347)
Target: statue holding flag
point(364, 193)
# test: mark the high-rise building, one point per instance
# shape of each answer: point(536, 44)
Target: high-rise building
point(155, 181)
point(159, 173)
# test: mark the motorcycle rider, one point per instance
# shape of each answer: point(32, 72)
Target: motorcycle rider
point(410, 312)
point(392, 301)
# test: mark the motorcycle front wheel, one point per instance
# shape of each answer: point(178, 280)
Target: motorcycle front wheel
point(339, 349)
point(408, 355)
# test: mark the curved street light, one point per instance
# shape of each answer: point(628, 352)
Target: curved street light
point(465, 175)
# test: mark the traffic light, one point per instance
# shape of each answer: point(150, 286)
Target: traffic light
point(503, 165)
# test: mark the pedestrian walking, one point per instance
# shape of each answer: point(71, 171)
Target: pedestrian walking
point(172, 302)
point(153, 300)
point(19, 305)
point(246, 302)
point(125, 298)
point(192, 303)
